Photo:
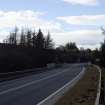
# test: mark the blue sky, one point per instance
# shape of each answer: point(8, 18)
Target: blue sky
point(68, 20)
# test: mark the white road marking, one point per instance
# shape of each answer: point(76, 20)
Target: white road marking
point(31, 83)
point(56, 94)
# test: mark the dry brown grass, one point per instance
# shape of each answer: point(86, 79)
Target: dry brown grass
point(84, 92)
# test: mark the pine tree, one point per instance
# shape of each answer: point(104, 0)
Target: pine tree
point(12, 39)
point(48, 42)
point(29, 38)
point(71, 46)
point(15, 35)
point(22, 38)
point(39, 40)
point(34, 39)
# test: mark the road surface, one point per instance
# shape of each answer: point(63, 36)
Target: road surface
point(32, 89)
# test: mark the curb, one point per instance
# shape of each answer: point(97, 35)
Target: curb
point(51, 99)
point(99, 87)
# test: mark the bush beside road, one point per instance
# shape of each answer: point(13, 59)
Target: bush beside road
point(102, 95)
point(84, 92)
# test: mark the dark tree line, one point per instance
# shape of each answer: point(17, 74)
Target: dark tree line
point(71, 53)
point(103, 54)
point(102, 50)
point(27, 49)
point(28, 38)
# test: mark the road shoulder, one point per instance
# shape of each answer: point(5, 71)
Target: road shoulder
point(84, 92)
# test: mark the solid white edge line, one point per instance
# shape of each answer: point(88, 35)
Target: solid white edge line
point(67, 86)
point(99, 87)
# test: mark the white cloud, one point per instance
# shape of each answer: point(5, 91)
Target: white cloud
point(34, 19)
point(89, 46)
point(85, 38)
point(84, 20)
point(83, 2)
point(26, 18)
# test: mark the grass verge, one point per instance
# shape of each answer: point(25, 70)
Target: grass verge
point(84, 92)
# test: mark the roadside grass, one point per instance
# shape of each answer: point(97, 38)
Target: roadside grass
point(84, 92)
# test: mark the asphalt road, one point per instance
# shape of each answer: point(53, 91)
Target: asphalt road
point(32, 89)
